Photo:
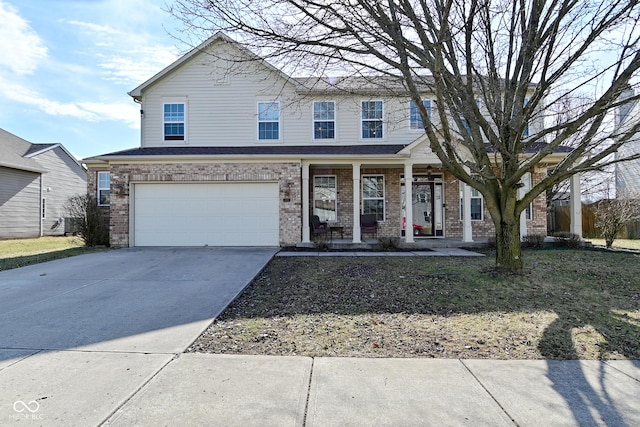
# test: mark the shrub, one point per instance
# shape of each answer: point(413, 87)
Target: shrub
point(88, 218)
point(570, 240)
point(389, 242)
point(321, 245)
point(533, 240)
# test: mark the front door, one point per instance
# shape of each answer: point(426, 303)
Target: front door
point(426, 206)
point(422, 209)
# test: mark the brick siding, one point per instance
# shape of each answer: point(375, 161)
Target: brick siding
point(289, 179)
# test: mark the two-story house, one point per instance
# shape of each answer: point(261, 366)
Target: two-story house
point(236, 153)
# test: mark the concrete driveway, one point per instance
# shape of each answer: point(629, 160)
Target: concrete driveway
point(79, 335)
point(143, 300)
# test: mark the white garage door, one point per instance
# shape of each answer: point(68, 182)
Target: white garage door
point(221, 214)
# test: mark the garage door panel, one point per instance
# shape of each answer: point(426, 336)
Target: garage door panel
point(220, 214)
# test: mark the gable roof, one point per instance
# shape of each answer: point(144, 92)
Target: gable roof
point(13, 153)
point(18, 153)
point(201, 49)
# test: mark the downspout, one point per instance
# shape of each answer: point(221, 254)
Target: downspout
point(40, 210)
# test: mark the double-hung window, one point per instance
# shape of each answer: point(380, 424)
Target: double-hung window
point(268, 120)
point(325, 193)
point(174, 121)
point(104, 186)
point(373, 195)
point(324, 120)
point(372, 117)
point(415, 118)
point(477, 204)
point(525, 132)
point(465, 122)
point(526, 187)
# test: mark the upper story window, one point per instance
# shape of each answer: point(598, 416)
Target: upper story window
point(525, 132)
point(372, 115)
point(104, 187)
point(465, 122)
point(415, 119)
point(373, 195)
point(268, 120)
point(324, 120)
point(174, 121)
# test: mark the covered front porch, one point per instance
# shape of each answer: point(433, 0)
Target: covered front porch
point(443, 212)
point(429, 202)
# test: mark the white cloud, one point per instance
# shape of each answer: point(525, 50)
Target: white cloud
point(88, 111)
point(95, 28)
point(127, 58)
point(22, 48)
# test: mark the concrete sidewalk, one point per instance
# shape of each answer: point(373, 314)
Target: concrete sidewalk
point(124, 389)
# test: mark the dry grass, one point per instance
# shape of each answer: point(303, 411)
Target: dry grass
point(567, 304)
point(619, 243)
point(21, 252)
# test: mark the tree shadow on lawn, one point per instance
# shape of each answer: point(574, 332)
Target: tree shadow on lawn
point(589, 292)
point(25, 260)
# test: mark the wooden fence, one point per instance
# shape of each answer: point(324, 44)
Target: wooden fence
point(559, 220)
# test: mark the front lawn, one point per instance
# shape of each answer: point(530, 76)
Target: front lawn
point(21, 252)
point(567, 304)
point(619, 243)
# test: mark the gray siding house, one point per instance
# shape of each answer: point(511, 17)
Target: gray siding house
point(36, 181)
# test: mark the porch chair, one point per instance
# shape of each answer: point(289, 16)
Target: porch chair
point(318, 227)
point(368, 224)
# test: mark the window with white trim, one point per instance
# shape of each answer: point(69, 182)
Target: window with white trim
point(465, 122)
point(325, 192)
point(174, 120)
point(104, 188)
point(373, 195)
point(477, 204)
point(526, 181)
point(324, 120)
point(268, 120)
point(372, 117)
point(525, 132)
point(415, 119)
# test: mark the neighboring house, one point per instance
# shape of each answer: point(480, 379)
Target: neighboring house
point(235, 152)
point(36, 181)
point(628, 173)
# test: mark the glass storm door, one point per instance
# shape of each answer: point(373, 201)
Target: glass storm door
point(427, 208)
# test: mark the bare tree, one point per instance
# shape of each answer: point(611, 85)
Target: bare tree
point(614, 214)
point(494, 67)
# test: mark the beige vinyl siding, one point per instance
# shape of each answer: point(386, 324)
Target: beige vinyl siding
point(64, 178)
point(19, 203)
point(221, 109)
point(217, 113)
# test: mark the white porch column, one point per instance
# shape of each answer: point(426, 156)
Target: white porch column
point(467, 230)
point(576, 206)
point(356, 203)
point(408, 203)
point(306, 233)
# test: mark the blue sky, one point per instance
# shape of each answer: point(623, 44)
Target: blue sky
point(67, 65)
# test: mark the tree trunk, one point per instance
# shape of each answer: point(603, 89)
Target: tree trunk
point(508, 252)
